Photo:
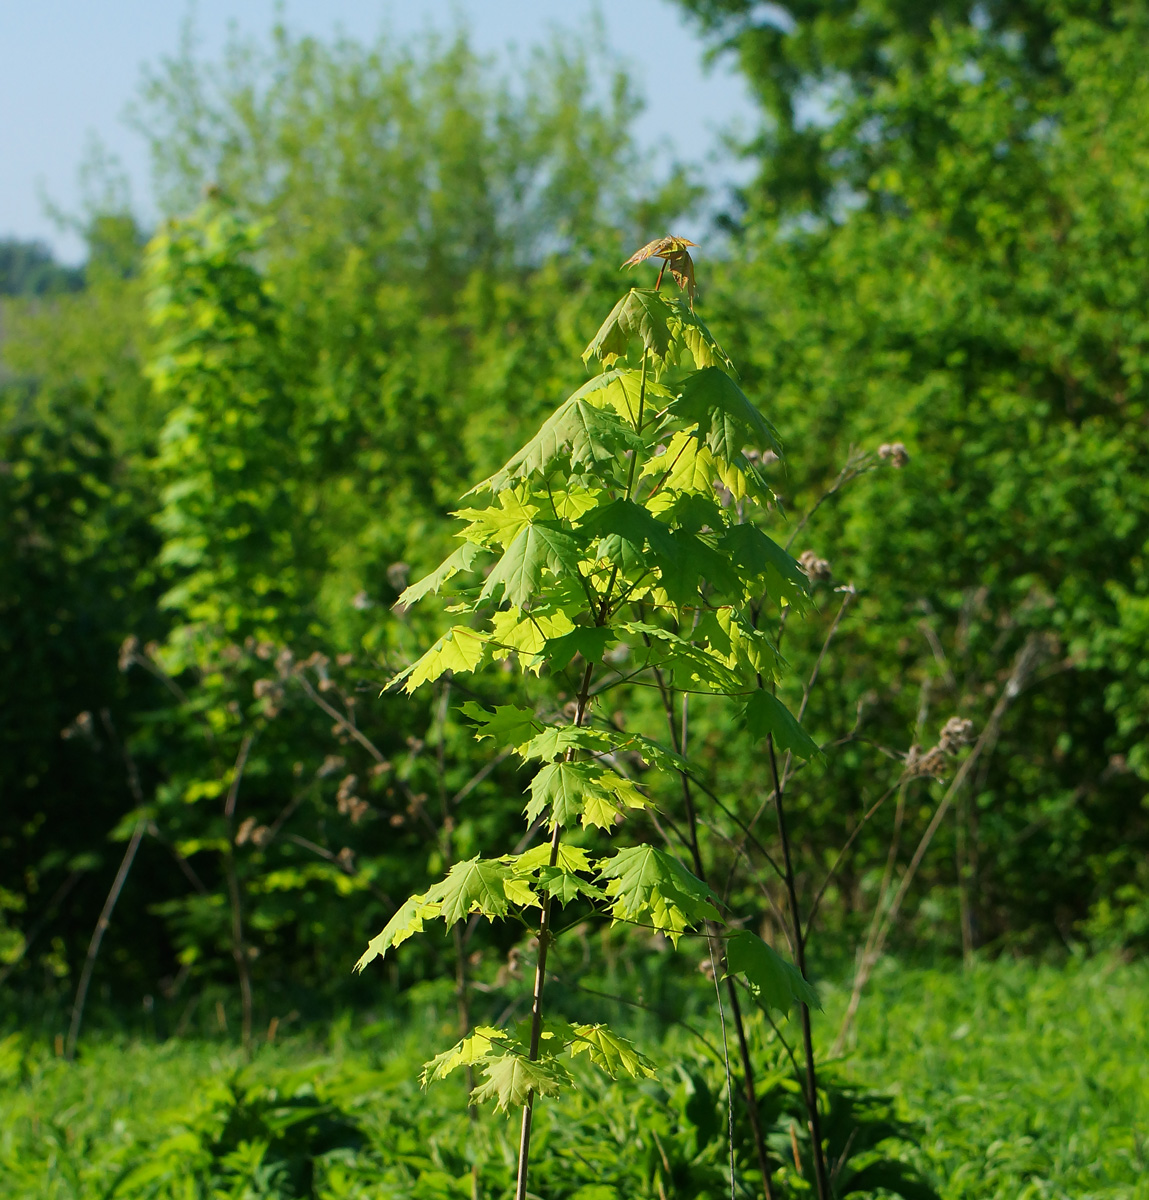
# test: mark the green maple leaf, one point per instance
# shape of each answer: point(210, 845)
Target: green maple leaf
point(510, 1078)
point(643, 314)
point(577, 430)
point(463, 559)
point(742, 647)
point(726, 419)
point(650, 887)
point(765, 714)
point(518, 574)
point(687, 464)
point(475, 1048)
point(686, 662)
point(569, 858)
point(555, 740)
point(778, 983)
point(563, 787)
point(509, 725)
point(476, 885)
point(621, 389)
point(615, 1055)
point(759, 557)
point(498, 522)
point(688, 328)
point(459, 649)
point(625, 529)
point(406, 922)
point(565, 886)
point(590, 641)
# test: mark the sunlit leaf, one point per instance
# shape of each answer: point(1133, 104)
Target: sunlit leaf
point(615, 1055)
point(459, 649)
point(649, 887)
point(518, 574)
point(510, 1078)
point(464, 559)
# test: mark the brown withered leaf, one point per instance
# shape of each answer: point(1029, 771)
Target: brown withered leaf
point(674, 251)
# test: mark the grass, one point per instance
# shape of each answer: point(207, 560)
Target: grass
point(1023, 1081)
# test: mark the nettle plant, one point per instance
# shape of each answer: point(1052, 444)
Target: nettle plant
point(618, 547)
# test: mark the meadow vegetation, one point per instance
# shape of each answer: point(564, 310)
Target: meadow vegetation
point(902, 588)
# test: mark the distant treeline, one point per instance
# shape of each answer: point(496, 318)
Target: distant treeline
point(225, 452)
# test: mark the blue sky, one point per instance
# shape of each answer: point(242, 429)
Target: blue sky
point(71, 67)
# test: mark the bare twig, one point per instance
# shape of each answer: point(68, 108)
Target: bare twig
point(1023, 666)
point(98, 936)
point(235, 899)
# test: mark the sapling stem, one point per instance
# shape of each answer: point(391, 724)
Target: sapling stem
point(541, 963)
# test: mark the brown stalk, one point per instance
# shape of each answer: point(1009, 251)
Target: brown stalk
point(1023, 665)
point(235, 897)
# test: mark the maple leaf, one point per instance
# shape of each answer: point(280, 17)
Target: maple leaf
point(569, 858)
point(621, 388)
point(590, 641)
point(726, 419)
point(642, 314)
point(497, 522)
point(563, 787)
point(614, 1054)
point(463, 559)
point(577, 429)
point(407, 921)
point(509, 725)
point(474, 885)
point(565, 886)
point(625, 529)
point(555, 740)
point(475, 1048)
point(765, 714)
point(778, 983)
point(760, 557)
point(674, 251)
point(510, 1078)
point(459, 649)
point(683, 659)
point(583, 790)
point(650, 887)
point(519, 572)
point(528, 634)
point(688, 328)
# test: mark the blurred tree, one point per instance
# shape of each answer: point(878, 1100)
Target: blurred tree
point(983, 301)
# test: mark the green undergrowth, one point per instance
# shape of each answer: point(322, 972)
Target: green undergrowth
point(1014, 1080)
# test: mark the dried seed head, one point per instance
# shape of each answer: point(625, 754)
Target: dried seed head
point(956, 733)
point(128, 652)
point(347, 786)
point(331, 764)
point(895, 452)
point(346, 860)
point(817, 569)
point(244, 832)
point(930, 765)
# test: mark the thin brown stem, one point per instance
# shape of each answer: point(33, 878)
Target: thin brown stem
point(98, 937)
point(235, 895)
point(679, 744)
point(1022, 668)
point(842, 856)
point(820, 1177)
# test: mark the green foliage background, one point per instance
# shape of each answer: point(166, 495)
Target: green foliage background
point(236, 446)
